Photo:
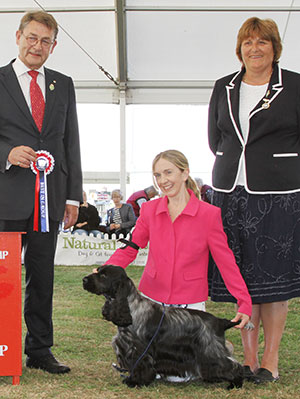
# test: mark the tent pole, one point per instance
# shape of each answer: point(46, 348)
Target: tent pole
point(123, 142)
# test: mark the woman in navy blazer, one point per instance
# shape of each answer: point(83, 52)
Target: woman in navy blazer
point(254, 132)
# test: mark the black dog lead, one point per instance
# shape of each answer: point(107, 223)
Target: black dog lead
point(128, 243)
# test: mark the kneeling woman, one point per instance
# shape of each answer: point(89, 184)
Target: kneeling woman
point(181, 231)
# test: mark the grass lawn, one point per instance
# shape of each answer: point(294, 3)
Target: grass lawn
point(82, 341)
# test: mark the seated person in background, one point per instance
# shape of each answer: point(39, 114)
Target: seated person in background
point(121, 218)
point(88, 219)
point(138, 198)
point(205, 190)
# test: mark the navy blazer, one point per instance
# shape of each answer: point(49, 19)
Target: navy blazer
point(59, 136)
point(272, 151)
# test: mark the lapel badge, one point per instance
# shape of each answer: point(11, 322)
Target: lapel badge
point(266, 103)
point(52, 85)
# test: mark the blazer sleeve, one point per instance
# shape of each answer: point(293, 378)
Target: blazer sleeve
point(225, 261)
point(140, 236)
point(214, 134)
point(72, 148)
point(5, 149)
point(130, 218)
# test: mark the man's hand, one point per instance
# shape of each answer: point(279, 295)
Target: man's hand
point(22, 156)
point(70, 216)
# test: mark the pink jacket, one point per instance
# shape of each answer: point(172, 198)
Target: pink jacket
point(177, 265)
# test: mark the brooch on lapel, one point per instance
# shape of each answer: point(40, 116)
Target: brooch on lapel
point(52, 85)
point(266, 101)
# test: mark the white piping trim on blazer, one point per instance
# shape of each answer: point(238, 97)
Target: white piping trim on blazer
point(269, 101)
point(230, 87)
point(286, 155)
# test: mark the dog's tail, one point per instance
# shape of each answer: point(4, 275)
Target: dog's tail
point(229, 324)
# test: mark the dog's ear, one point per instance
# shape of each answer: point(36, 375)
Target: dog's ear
point(106, 310)
point(117, 309)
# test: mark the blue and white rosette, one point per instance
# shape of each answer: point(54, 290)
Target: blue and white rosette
point(43, 165)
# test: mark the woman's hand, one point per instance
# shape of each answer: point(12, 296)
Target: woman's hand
point(244, 319)
point(81, 224)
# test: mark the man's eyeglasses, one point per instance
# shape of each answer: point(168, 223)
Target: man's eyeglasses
point(33, 40)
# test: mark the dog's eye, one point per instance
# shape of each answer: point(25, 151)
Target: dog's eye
point(102, 274)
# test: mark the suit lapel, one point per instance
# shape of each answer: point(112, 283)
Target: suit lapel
point(274, 89)
point(233, 97)
point(10, 82)
point(50, 94)
point(233, 101)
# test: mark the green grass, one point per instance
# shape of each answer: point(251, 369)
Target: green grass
point(82, 340)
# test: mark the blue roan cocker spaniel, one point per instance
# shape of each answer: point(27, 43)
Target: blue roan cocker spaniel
point(156, 341)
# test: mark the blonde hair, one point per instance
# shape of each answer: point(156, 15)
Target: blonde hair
point(266, 29)
point(178, 159)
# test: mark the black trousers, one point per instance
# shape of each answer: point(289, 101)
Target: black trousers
point(39, 251)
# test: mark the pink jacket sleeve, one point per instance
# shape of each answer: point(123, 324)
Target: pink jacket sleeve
point(225, 261)
point(140, 236)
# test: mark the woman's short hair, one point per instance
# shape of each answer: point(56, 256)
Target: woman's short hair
point(264, 28)
point(117, 192)
point(42, 17)
point(178, 159)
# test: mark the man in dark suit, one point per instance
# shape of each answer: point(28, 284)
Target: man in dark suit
point(21, 139)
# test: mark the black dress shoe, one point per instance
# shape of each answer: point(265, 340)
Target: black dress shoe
point(248, 374)
point(263, 375)
point(47, 363)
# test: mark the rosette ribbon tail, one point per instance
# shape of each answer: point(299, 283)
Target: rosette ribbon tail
point(44, 203)
point(43, 165)
point(36, 203)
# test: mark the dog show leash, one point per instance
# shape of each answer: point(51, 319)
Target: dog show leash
point(149, 344)
point(128, 243)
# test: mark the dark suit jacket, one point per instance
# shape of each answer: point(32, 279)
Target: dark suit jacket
point(272, 152)
point(59, 136)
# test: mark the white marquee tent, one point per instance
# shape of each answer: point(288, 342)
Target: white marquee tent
point(156, 51)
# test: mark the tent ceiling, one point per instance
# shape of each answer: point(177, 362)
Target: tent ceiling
point(160, 51)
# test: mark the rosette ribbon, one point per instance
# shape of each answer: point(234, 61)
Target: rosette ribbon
point(43, 165)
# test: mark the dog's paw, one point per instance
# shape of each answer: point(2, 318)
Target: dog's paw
point(131, 383)
point(118, 368)
point(236, 383)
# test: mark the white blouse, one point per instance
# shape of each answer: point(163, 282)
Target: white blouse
point(249, 96)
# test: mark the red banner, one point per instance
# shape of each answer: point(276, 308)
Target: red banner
point(10, 306)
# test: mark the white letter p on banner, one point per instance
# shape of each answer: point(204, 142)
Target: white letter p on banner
point(3, 348)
